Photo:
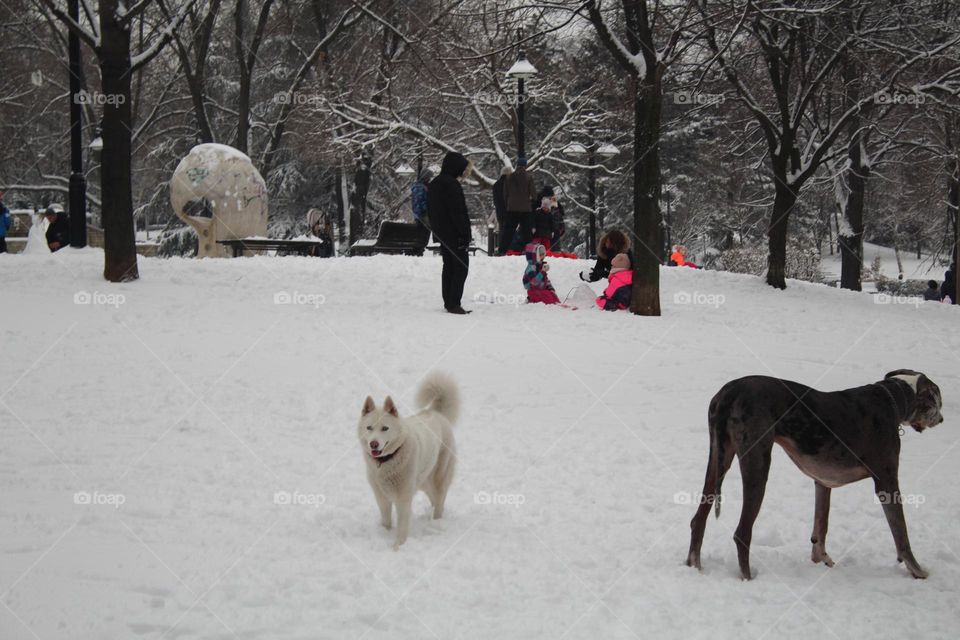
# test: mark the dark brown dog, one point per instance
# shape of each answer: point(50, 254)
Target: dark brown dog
point(835, 438)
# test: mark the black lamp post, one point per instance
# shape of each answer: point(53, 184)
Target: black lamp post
point(78, 184)
point(521, 70)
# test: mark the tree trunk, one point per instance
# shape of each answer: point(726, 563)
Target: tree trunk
point(648, 231)
point(783, 204)
point(243, 97)
point(851, 237)
point(953, 205)
point(119, 237)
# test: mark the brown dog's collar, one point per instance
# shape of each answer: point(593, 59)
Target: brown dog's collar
point(387, 458)
point(896, 405)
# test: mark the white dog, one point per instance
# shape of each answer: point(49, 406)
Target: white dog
point(406, 454)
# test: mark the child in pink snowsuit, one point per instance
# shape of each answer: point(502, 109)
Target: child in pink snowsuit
point(618, 293)
point(535, 279)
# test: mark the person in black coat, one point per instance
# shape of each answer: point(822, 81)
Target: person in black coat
point(611, 243)
point(58, 229)
point(447, 209)
point(949, 287)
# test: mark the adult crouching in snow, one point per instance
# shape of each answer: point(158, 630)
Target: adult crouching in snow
point(620, 289)
point(611, 243)
point(447, 209)
point(58, 228)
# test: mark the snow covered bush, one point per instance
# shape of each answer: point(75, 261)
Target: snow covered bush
point(803, 262)
point(178, 241)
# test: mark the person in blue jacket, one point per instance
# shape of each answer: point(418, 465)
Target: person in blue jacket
point(5, 222)
point(418, 197)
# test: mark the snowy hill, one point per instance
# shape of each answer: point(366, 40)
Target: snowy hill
point(179, 457)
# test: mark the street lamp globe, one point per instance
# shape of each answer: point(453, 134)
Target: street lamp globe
point(522, 69)
point(608, 151)
point(404, 170)
point(575, 149)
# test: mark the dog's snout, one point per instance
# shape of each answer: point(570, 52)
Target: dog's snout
point(375, 445)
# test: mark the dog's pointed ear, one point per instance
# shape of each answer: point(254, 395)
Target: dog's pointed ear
point(368, 406)
point(390, 407)
point(902, 372)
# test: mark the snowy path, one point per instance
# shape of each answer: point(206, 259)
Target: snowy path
point(196, 399)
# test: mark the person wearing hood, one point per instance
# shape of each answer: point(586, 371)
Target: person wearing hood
point(450, 223)
point(500, 200)
point(519, 194)
point(619, 291)
point(948, 290)
point(535, 279)
point(418, 198)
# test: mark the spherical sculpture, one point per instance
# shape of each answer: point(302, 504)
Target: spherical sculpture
point(217, 190)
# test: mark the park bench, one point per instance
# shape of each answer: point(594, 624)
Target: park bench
point(472, 249)
point(302, 247)
point(404, 238)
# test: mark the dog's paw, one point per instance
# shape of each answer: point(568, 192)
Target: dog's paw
point(818, 556)
point(386, 524)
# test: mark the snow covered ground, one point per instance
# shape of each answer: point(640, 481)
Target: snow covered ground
point(179, 459)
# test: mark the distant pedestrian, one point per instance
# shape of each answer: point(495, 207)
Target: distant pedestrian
point(321, 227)
point(500, 200)
point(418, 198)
point(5, 223)
point(58, 228)
point(611, 243)
point(932, 292)
point(450, 223)
point(520, 194)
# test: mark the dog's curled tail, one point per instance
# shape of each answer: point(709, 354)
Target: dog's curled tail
point(439, 392)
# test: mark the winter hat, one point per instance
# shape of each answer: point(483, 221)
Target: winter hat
point(521, 161)
point(536, 251)
point(620, 262)
point(547, 192)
